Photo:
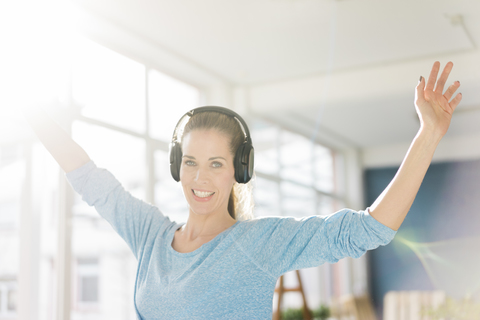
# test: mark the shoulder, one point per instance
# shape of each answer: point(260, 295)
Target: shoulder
point(259, 222)
point(273, 224)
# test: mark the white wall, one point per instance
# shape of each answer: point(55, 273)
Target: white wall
point(458, 148)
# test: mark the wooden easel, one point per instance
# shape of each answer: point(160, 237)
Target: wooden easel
point(277, 315)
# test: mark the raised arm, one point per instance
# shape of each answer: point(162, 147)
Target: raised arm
point(66, 152)
point(435, 110)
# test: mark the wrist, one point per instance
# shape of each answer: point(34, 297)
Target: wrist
point(430, 134)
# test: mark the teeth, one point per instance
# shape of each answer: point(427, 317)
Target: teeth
point(202, 194)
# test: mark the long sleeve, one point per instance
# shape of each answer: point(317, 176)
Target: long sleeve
point(281, 244)
point(136, 221)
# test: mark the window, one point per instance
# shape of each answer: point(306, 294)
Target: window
point(296, 158)
point(8, 298)
point(168, 100)
point(109, 87)
point(266, 197)
point(9, 154)
point(88, 281)
point(115, 95)
point(169, 196)
point(295, 177)
point(8, 214)
point(125, 120)
point(12, 171)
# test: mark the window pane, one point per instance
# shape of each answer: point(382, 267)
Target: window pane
point(324, 174)
point(10, 154)
point(45, 200)
point(124, 156)
point(168, 100)
point(297, 201)
point(169, 197)
point(8, 214)
point(267, 198)
point(110, 87)
point(265, 140)
point(326, 205)
point(88, 282)
point(89, 291)
point(12, 177)
point(296, 158)
point(12, 171)
point(12, 300)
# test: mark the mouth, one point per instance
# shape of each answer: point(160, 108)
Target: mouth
point(202, 194)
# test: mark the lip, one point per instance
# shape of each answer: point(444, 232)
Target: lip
point(202, 199)
point(201, 190)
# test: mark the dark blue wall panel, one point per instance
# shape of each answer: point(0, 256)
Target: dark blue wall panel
point(447, 207)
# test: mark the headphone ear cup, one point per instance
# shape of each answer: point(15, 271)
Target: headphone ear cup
point(175, 160)
point(243, 163)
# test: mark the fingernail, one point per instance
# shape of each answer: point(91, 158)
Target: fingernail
point(420, 80)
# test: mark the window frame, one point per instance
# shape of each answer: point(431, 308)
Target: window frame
point(62, 304)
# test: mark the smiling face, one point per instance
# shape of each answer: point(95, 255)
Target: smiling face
point(207, 173)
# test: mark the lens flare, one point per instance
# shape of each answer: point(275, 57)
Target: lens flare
point(37, 39)
point(37, 42)
point(452, 265)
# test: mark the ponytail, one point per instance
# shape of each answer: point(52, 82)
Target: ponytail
point(231, 203)
point(240, 202)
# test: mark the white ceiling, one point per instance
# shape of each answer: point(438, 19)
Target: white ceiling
point(271, 44)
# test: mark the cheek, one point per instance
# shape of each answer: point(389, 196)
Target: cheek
point(228, 180)
point(185, 174)
point(182, 173)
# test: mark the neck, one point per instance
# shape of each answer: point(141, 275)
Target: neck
point(205, 227)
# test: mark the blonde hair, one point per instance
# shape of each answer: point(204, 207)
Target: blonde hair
point(240, 202)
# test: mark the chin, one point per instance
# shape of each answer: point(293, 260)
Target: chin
point(199, 209)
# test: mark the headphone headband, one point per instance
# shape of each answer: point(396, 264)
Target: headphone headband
point(181, 126)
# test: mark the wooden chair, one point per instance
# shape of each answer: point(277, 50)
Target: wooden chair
point(280, 290)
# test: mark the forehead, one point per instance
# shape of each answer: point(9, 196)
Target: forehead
point(208, 142)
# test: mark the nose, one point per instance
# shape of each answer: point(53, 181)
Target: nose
point(201, 175)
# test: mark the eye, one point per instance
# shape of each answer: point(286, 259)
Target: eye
point(216, 164)
point(189, 163)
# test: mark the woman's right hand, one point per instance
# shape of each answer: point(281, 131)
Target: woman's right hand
point(68, 154)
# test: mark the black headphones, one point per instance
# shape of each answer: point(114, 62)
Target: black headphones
point(243, 161)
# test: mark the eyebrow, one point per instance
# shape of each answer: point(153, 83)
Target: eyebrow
point(213, 158)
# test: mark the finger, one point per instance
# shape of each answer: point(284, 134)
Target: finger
point(454, 103)
point(443, 77)
point(420, 89)
point(433, 76)
point(451, 90)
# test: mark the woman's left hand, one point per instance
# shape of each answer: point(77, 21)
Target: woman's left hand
point(434, 107)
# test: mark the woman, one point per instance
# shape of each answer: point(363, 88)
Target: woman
point(217, 266)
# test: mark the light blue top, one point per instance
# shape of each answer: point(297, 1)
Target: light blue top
point(234, 275)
